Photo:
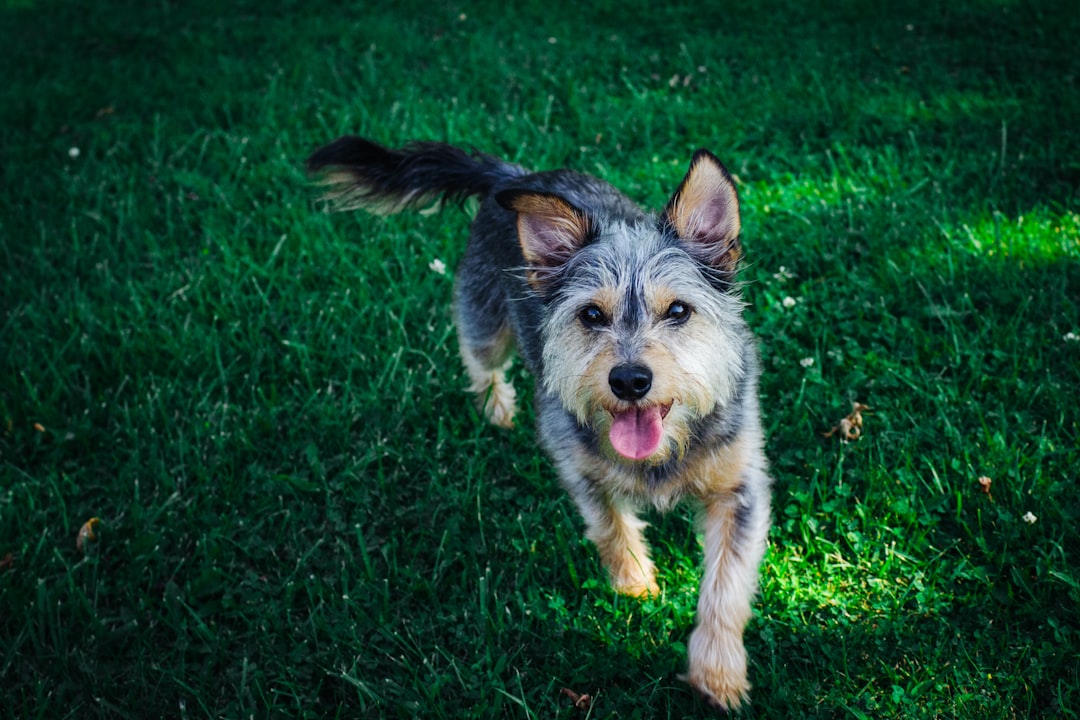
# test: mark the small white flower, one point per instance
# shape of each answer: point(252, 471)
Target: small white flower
point(73, 152)
point(807, 362)
point(783, 274)
point(437, 266)
point(789, 302)
point(1071, 337)
point(1029, 518)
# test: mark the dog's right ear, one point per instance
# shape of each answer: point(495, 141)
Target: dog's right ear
point(550, 231)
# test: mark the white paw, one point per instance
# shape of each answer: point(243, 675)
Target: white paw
point(635, 580)
point(500, 406)
point(718, 668)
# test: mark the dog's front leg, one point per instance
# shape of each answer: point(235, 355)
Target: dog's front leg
point(735, 526)
point(618, 535)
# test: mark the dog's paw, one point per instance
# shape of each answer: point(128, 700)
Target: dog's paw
point(718, 670)
point(500, 406)
point(720, 694)
point(638, 588)
point(634, 578)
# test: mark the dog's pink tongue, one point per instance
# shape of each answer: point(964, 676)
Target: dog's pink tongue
point(636, 433)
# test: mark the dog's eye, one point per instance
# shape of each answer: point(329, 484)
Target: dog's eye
point(678, 312)
point(592, 317)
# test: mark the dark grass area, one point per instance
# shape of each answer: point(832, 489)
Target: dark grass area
point(303, 516)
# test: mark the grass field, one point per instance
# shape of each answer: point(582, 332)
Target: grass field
point(302, 515)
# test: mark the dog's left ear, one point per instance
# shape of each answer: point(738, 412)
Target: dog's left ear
point(550, 231)
point(704, 212)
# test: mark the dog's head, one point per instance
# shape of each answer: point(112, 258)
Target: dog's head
point(642, 332)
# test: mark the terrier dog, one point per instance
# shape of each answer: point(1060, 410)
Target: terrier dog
point(631, 324)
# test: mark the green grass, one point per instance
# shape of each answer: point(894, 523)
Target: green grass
point(303, 516)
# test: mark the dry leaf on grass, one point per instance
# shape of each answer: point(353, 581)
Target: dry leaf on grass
point(850, 428)
point(581, 702)
point(87, 534)
point(7, 562)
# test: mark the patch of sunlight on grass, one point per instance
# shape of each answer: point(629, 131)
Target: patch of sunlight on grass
point(1040, 235)
point(850, 584)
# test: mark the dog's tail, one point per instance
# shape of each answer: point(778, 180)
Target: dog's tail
point(358, 173)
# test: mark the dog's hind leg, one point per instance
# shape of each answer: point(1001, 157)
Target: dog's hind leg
point(486, 346)
point(487, 366)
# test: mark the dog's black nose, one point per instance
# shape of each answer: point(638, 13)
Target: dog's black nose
point(629, 381)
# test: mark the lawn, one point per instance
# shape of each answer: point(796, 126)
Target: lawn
point(301, 512)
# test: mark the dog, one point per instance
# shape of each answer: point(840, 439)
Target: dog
point(631, 325)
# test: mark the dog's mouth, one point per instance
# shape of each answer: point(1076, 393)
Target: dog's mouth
point(636, 433)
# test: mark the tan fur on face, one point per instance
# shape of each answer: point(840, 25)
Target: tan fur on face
point(580, 360)
point(685, 398)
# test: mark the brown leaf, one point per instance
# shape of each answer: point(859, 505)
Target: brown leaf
point(7, 562)
point(581, 702)
point(850, 428)
point(87, 534)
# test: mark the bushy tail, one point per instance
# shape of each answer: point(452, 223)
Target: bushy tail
point(358, 173)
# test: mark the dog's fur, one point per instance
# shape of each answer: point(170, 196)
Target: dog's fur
point(631, 324)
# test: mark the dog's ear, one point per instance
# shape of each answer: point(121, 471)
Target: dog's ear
point(704, 212)
point(550, 231)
